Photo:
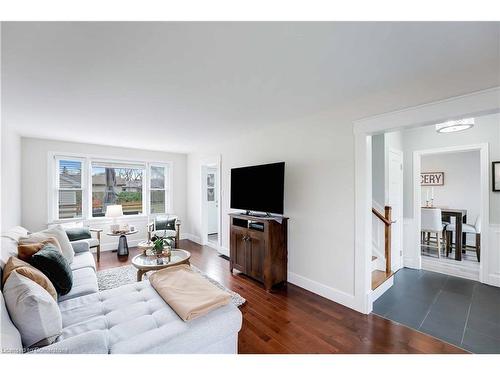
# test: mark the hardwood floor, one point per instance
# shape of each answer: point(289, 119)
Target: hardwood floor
point(293, 320)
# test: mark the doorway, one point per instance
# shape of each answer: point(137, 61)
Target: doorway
point(210, 204)
point(481, 103)
point(460, 195)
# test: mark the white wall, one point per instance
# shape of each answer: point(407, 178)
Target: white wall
point(11, 178)
point(319, 197)
point(34, 177)
point(378, 169)
point(486, 130)
point(462, 184)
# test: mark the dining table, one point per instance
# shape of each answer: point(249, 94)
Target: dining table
point(460, 216)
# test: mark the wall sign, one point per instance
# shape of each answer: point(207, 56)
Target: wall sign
point(432, 178)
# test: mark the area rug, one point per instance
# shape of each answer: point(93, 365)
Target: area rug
point(115, 277)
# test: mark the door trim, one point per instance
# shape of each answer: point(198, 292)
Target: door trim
point(484, 210)
point(214, 162)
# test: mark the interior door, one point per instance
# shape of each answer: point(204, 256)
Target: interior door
point(395, 200)
point(212, 201)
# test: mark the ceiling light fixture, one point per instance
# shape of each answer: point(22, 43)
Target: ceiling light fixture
point(455, 125)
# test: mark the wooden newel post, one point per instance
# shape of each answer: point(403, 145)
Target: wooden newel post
point(388, 210)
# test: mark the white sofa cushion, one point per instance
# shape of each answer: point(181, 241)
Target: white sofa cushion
point(137, 320)
point(84, 282)
point(8, 248)
point(32, 309)
point(15, 233)
point(10, 337)
point(164, 233)
point(61, 236)
point(92, 342)
point(82, 260)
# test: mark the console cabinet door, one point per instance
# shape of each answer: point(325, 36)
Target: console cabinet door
point(256, 254)
point(239, 250)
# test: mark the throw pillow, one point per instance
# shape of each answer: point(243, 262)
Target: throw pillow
point(17, 265)
point(60, 234)
point(76, 234)
point(26, 249)
point(55, 267)
point(33, 311)
point(165, 223)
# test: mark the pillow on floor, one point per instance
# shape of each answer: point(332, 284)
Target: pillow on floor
point(55, 267)
point(17, 265)
point(33, 311)
point(60, 234)
point(25, 250)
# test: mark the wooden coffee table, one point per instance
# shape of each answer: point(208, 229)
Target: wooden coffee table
point(145, 263)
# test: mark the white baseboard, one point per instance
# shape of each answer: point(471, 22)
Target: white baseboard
point(382, 288)
point(494, 279)
point(192, 237)
point(411, 263)
point(330, 293)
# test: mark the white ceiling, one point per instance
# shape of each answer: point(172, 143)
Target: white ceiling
point(178, 85)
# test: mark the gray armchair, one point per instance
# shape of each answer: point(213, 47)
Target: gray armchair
point(82, 240)
point(166, 226)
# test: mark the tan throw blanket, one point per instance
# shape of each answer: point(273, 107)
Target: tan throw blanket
point(188, 293)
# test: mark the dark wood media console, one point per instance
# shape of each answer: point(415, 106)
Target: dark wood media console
point(258, 248)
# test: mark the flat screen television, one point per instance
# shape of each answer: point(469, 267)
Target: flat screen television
point(258, 188)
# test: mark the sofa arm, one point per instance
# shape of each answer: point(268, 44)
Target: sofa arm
point(80, 246)
point(92, 342)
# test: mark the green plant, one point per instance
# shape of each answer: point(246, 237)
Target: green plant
point(158, 245)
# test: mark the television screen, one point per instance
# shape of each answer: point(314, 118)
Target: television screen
point(258, 188)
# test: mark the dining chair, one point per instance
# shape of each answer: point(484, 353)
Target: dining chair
point(431, 223)
point(466, 229)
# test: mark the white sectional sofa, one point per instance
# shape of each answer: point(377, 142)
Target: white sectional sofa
point(130, 319)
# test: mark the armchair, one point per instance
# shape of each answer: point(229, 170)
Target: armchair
point(167, 226)
point(82, 240)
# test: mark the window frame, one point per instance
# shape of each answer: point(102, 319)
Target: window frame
point(54, 189)
point(166, 187)
point(87, 160)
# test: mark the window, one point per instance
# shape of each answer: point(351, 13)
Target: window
point(158, 196)
point(117, 184)
point(69, 189)
point(82, 187)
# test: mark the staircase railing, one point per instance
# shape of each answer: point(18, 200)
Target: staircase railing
point(386, 219)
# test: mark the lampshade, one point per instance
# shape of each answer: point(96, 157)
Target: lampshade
point(455, 125)
point(114, 210)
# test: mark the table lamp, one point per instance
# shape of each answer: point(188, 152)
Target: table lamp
point(114, 211)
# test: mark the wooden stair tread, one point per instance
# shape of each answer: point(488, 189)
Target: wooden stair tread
point(378, 278)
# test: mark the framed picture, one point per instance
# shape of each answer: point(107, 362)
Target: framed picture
point(432, 178)
point(495, 176)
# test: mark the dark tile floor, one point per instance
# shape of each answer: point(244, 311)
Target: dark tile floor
point(459, 311)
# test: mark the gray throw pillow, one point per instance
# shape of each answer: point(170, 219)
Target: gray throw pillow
point(33, 311)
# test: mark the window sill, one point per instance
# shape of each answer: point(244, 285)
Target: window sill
point(103, 219)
